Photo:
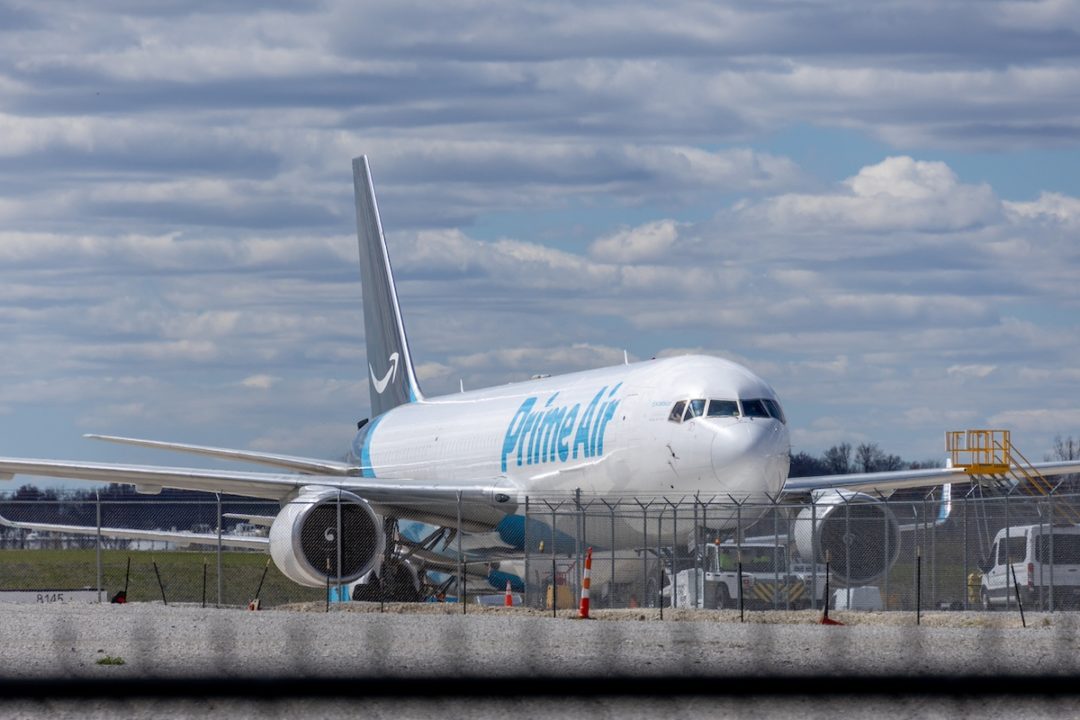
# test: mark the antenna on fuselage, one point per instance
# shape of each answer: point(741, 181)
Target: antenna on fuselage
point(461, 381)
point(625, 357)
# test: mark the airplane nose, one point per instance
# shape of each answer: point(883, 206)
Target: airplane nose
point(750, 458)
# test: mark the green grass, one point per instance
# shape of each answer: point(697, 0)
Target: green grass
point(110, 660)
point(181, 574)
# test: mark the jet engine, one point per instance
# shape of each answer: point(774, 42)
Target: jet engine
point(859, 533)
point(304, 537)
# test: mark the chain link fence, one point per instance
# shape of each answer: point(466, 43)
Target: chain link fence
point(894, 554)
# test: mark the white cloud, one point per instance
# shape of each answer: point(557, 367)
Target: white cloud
point(1045, 15)
point(903, 178)
point(976, 372)
point(1051, 207)
point(897, 194)
point(557, 181)
point(1039, 420)
point(632, 245)
point(260, 382)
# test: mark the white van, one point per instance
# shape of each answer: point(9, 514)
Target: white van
point(1026, 551)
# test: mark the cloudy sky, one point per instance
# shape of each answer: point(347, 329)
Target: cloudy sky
point(877, 211)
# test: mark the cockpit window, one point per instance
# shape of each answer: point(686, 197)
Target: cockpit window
point(695, 408)
point(723, 408)
point(774, 409)
point(754, 409)
point(677, 411)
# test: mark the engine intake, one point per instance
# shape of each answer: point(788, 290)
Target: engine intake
point(859, 532)
point(304, 537)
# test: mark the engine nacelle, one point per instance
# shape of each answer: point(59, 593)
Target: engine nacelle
point(859, 532)
point(303, 537)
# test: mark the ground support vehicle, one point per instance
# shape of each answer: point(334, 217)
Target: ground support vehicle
point(767, 580)
point(1046, 561)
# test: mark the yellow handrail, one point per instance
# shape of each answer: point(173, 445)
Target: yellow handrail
point(991, 453)
point(980, 452)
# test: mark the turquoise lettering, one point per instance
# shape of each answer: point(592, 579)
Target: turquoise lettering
point(565, 429)
point(531, 424)
point(555, 433)
point(513, 434)
point(581, 438)
point(550, 433)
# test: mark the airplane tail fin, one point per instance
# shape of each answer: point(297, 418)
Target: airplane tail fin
point(392, 377)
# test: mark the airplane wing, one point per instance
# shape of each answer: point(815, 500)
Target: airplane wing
point(886, 482)
point(286, 462)
point(483, 500)
point(180, 538)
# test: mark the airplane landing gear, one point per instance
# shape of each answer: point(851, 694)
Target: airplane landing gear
point(397, 580)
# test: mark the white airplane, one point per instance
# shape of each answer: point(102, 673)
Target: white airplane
point(684, 426)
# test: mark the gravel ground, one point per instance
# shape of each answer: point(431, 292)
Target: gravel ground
point(424, 640)
point(496, 661)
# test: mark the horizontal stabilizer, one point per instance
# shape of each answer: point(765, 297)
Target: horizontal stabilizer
point(260, 520)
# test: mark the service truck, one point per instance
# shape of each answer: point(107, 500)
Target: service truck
point(1046, 562)
point(768, 580)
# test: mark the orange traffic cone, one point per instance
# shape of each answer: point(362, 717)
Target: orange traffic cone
point(509, 598)
point(583, 611)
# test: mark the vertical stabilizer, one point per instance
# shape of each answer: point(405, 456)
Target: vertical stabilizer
point(390, 367)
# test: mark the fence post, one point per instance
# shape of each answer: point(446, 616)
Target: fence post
point(933, 558)
point(775, 553)
point(916, 538)
point(1008, 551)
point(813, 553)
point(847, 551)
point(525, 542)
point(1051, 599)
point(100, 574)
point(220, 579)
point(644, 551)
point(460, 566)
point(554, 569)
point(611, 589)
point(340, 542)
point(1038, 553)
point(738, 551)
point(674, 546)
point(885, 522)
point(699, 597)
point(611, 585)
point(579, 543)
point(660, 565)
point(967, 583)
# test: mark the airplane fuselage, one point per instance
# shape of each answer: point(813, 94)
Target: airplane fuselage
point(607, 432)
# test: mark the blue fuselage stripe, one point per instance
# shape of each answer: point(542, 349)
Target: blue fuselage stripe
point(366, 467)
